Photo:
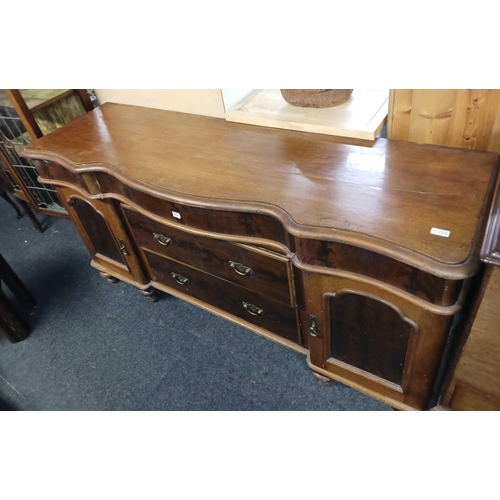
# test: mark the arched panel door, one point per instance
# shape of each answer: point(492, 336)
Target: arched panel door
point(370, 334)
point(97, 229)
point(104, 236)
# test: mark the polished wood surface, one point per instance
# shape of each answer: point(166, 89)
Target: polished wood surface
point(332, 242)
point(255, 308)
point(235, 222)
point(368, 334)
point(97, 228)
point(103, 234)
point(315, 186)
point(53, 171)
point(358, 260)
point(429, 330)
point(251, 268)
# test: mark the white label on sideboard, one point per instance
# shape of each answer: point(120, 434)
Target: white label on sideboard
point(177, 215)
point(440, 232)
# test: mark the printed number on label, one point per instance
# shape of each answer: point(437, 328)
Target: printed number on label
point(440, 232)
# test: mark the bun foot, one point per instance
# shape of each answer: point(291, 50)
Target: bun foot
point(108, 277)
point(321, 379)
point(151, 294)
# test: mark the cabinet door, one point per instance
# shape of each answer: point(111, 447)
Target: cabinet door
point(375, 339)
point(104, 235)
point(370, 334)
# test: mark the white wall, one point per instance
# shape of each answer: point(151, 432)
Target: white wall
point(206, 102)
point(233, 96)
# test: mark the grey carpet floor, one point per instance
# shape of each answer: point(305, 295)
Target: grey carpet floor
point(101, 346)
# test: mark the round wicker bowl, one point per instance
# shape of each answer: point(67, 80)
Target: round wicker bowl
point(316, 98)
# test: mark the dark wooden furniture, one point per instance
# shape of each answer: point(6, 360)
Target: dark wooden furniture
point(5, 196)
point(8, 184)
point(13, 324)
point(358, 255)
point(474, 375)
point(26, 115)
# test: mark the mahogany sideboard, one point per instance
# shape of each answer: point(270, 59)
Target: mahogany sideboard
point(358, 255)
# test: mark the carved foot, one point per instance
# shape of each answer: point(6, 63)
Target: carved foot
point(108, 277)
point(151, 294)
point(321, 379)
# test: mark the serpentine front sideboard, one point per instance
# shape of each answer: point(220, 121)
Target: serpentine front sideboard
point(357, 255)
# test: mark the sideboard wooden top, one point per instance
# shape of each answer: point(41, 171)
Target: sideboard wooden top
point(391, 193)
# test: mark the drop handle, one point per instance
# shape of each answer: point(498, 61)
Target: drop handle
point(254, 310)
point(313, 326)
point(180, 279)
point(161, 239)
point(123, 248)
point(240, 268)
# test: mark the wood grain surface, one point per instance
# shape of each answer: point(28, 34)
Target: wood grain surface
point(360, 118)
point(368, 334)
point(475, 384)
point(358, 260)
point(275, 316)
point(463, 118)
point(390, 195)
point(266, 272)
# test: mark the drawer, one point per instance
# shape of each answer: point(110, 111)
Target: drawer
point(57, 173)
point(257, 270)
point(250, 306)
point(255, 225)
point(335, 255)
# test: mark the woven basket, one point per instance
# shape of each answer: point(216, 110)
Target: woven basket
point(315, 98)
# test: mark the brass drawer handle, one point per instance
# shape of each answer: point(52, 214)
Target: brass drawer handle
point(162, 240)
point(240, 268)
point(180, 279)
point(254, 310)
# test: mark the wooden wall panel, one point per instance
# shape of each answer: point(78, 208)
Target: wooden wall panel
point(398, 121)
point(475, 384)
point(494, 144)
point(464, 118)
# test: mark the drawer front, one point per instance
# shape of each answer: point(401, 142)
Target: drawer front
point(218, 221)
point(361, 261)
point(257, 309)
point(253, 269)
point(55, 172)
